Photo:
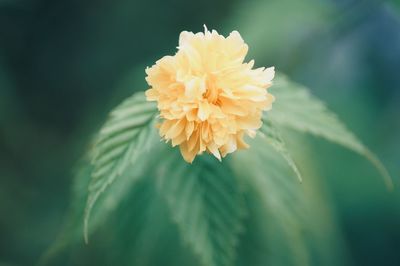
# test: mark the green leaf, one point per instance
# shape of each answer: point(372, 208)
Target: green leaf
point(205, 200)
point(269, 177)
point(294, 224)
point(122, 209)
point(123, 138)
point(271, 133)
point(297, 109)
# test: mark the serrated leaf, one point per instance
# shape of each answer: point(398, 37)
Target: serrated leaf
point(205, 201)
point(124, 202)
point(269, 177)
point(123, 138)
point(297, 109)
point(274, 138)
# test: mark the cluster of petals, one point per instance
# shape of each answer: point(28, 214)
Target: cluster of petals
point(207, 96)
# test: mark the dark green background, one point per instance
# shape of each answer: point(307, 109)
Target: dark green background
point(65, 64)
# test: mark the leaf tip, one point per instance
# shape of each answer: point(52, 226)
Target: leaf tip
point(85, 229)
point(387, 179)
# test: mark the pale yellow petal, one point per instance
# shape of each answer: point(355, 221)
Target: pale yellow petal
point(175, 129)
point(189, 129)
point(213, 149)
point(204, 110)
point(187, 154)
point(151, 95)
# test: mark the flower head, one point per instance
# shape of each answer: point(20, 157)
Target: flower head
point(208, 97)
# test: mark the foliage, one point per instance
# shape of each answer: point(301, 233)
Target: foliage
point(299, 110)
point(120, 142)
point(214, 205)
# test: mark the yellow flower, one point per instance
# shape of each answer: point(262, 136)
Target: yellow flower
point(208, 98)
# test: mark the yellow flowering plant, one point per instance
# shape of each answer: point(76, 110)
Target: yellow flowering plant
point(207, 96)
point(208, 100)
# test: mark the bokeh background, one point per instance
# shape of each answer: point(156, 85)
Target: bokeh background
point(65, 64)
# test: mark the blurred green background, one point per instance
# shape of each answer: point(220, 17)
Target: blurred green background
point(65, 64)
